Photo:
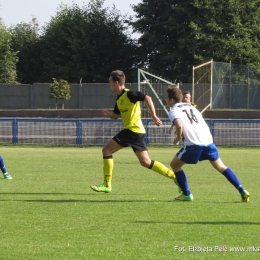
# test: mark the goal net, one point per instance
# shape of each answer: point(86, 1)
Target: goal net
point(218, 85)
point(155, 87)
point(202, 85)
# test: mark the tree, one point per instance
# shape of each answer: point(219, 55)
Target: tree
point(60, 89)
point(26, 41)
point(8, 57)
point(87, 43)
point(177, 34)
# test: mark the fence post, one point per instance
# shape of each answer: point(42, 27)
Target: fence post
point(248, 91)
point(211, 83)
point(80, 95)
point(147, 131)
point(15, 131)
point(230, 85)
point(79, 132)
point(31, 97)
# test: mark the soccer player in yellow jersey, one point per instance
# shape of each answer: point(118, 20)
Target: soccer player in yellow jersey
point(127, 106)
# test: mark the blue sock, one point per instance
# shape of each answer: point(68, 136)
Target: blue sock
point(183, 182)
point(232, 178)
point(2, 165)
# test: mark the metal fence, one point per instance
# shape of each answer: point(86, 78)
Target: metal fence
point(86, 132)
point(83, 96)
point(226, 85)
point(36, 96)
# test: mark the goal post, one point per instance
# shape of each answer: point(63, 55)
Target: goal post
point(155, 87)
point(202, 80)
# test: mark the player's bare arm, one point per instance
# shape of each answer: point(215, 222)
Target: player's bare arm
point(171, 128)
point(148, 101)
point(109, 114)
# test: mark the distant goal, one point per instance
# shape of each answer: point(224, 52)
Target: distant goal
point(155, 87)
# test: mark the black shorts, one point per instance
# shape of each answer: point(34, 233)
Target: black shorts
point(127, 138)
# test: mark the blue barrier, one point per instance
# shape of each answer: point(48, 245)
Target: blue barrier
point(57, 131)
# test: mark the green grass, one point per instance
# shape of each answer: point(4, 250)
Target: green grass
point(48, 210)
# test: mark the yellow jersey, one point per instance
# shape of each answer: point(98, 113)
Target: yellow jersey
point(128, 106)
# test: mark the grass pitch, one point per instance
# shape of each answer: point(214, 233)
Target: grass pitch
point(48, 210)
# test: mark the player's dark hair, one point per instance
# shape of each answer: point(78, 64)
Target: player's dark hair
point(118, 75)
point(175, 94)
point(187, 92)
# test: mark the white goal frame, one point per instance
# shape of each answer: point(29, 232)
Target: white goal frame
point(142, 75)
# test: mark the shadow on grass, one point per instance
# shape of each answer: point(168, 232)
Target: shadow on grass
point(92, 194)
point(197, 222)
point(83, 201)
point(40, 193)
point(97, 201)
point(101, 200)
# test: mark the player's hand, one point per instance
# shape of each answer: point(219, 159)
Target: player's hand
point(176, 140)
point(157, 121)
point(104, 112)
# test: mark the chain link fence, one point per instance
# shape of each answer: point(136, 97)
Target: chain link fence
point(86, 132)
point(220, 85)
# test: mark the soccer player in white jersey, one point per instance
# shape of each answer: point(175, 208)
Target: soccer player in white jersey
point(198, 144)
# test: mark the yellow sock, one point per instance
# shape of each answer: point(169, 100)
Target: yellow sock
point(163, 170)
point(108, 165)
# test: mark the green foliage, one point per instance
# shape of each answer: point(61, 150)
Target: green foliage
point(26, 41)
point(88, 43)
point(178, 34)
point(8, 57)
point(50, 212)
point(60, 89)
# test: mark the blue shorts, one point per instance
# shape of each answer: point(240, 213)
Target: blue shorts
point(191, 154)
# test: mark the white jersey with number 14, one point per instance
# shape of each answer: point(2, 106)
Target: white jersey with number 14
point(195, 129)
